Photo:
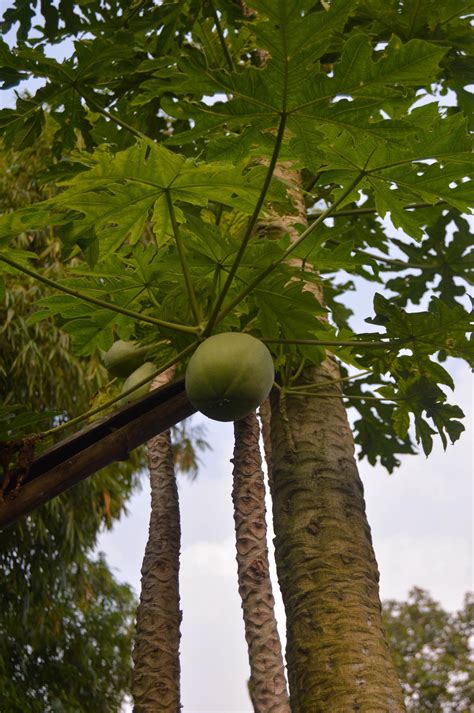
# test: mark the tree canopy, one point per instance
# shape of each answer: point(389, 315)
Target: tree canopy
point(160, 188)
point(432, 652)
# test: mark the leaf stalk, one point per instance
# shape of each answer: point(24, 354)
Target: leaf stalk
point(273, 265)
point(184, 263)
point(111, 402)
point(215, 317)
point(99, 303)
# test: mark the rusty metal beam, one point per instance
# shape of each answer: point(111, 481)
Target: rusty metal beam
point(105, 441)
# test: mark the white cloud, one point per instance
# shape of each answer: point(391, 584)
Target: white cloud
point(442, 565)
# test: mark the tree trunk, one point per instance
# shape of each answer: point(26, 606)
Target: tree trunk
point(337, 656)
point(156, 674)
point(265, 414)
point(267, 682)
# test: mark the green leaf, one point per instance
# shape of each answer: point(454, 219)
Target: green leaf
point(401, 421)
point(120, 192)
point(441, 328)
point(445, 258)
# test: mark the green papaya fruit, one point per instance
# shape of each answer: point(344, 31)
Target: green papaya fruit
point(229, 375)
point(124, 357)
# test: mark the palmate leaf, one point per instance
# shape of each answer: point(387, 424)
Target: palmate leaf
point(445, 257)
point(376, 431)
point(415, 380)
point(118, 282)
point(433, 164)
point(443, 328)
point(119, 193)
point(293, 83)
point(422, 397)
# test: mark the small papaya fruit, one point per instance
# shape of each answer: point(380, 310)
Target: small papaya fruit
point(124, 357)
point(143, 371)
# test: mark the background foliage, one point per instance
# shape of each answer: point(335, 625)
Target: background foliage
point(432, 650)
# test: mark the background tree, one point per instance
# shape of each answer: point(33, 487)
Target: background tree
point(67, 649)
point(432, 650)
point(66, 623)
point(338, 98)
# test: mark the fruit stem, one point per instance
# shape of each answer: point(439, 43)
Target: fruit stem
point(95, 301)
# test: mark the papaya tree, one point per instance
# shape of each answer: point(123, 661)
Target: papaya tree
point(231, 167)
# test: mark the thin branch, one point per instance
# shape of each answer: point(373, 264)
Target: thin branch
point(99, 303)
point(334, 343)
point(273, 265)
point(111, 402)
point(340, 396)
point(184, 263)
point(366, 211)
point(215, 317)
point(330, 382)
point(220, 32)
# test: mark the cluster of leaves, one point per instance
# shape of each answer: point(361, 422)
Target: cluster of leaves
point(61, 607)
point(69, 650)
point(432, 653)
point(163, 119)
point(159, 186)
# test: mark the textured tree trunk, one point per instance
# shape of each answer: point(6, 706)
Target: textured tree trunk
point(337, 656)
point(265, 414)
point(156, 673)
point(267, 684)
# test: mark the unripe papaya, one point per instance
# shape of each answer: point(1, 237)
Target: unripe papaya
point(229, 375)
point(143, 371)
point(124, 357)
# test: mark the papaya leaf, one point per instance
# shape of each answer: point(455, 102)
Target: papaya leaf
point(445, 259)
point(120, 192)
point(348, 100)
point(443, 328)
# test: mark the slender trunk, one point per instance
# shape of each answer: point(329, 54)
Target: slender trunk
point(337, 656)
point(267, 683)
point(156, 674)
point(265, 414)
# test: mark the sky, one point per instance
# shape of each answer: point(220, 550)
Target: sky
point(421, 520)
